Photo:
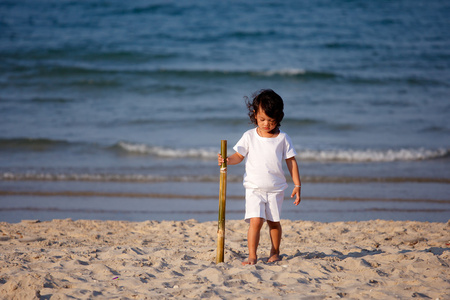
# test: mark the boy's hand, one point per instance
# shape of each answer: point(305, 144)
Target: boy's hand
point(296, 192)
point(220, 159)
point(234, 159)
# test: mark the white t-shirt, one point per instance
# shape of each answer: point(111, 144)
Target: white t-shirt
point(264, 160)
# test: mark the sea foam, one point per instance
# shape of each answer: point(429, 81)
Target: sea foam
point(333, 155)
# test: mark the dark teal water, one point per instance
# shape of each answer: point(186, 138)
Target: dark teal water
point(114, 96)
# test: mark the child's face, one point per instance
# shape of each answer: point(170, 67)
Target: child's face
point(265, 123)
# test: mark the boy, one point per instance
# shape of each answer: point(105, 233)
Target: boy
point(264, 148)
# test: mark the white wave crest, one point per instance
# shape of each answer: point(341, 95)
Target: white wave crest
point(333, 155)
point(371, 155)
point(167, 152)
point(81, 177)
point(33, 176)
point(285, 72)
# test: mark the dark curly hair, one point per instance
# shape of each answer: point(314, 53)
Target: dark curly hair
point(270, 102)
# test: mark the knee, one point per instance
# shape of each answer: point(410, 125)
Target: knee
point(274, 225)
point(256, 222)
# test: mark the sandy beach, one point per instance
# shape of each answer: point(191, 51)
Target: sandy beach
point(66, 259)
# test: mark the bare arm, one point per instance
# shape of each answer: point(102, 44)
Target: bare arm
point(293, 169)
point(234, 159)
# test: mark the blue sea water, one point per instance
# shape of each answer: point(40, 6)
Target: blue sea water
point(116, 109)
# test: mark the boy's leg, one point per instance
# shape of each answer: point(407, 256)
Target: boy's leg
point(253, 240)
point(275, 232)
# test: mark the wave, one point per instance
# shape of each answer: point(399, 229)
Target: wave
point(304, 74)
point(237, 121)
point(344, 155)
point(203, 196)
point(284, 72)
point(105, 177)
point(373, 155)
point(166, 152)
point(55, 100)
point(118, 63)
point(168, 8)
point(392, 80)
point(113, 65)
point(38, 144)
point(303, 154)
point(150, 178)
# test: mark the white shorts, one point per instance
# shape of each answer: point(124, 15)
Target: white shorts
point(261, 204)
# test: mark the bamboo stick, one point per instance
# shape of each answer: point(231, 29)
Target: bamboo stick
point(222, 204)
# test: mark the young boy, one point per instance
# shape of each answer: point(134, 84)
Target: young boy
point(265, 147)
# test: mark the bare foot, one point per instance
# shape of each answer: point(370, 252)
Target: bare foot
point(274, 258)
point(250, 261)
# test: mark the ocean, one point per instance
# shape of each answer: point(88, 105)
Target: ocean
point(114, 110)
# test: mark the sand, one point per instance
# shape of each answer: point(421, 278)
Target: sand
point(65, 259)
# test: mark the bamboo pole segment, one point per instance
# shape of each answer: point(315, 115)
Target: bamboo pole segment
point(222, 203)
